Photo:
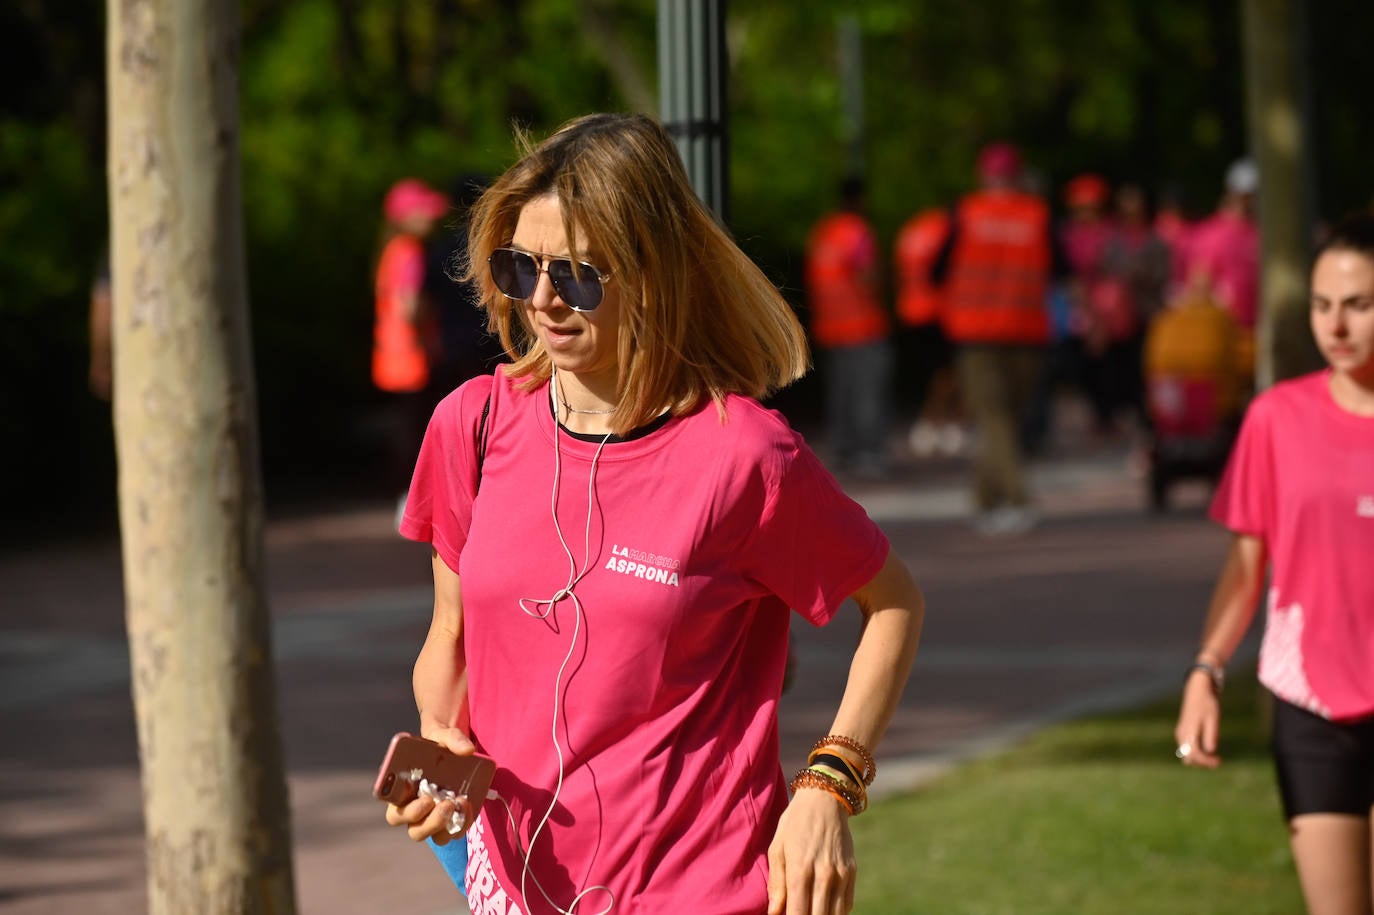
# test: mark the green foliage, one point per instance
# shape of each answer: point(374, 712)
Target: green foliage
point(1091, 817)
point(37, 220)
point(341, 97)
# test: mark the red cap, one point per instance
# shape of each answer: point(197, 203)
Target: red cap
point(1086, 191)
point(1000, 161)
point(412, 197)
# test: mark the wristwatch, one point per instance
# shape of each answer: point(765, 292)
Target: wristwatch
point(1216, 674)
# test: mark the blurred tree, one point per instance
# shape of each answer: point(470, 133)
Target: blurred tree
point(215, 809)
point(1275, 59)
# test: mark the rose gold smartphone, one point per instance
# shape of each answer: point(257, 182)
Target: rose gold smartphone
point(410, 759)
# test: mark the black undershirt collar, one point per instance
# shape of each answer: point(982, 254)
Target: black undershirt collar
point(596, 438)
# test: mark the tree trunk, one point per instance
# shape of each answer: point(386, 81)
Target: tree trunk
point(190, 492)
point(1278, 138)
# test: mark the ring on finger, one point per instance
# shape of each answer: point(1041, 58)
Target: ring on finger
point(1183, 750)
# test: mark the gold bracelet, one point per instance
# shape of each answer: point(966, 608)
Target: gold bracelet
point(848, 743)
point(854, 801)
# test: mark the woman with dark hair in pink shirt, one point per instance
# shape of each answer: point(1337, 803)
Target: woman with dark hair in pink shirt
point(1298, 494)
point(621, 534)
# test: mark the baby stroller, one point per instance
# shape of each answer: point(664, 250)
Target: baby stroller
point(1197, 365)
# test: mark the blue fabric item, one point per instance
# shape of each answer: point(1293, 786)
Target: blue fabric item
point(1061, 311)
point(454, 858)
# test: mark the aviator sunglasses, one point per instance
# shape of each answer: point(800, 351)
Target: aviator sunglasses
point(516, 273)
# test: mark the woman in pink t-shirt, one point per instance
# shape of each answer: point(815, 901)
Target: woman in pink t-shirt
point(1298, 494)
point(633, 533)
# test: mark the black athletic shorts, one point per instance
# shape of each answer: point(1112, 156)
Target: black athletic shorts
point(1323, 766)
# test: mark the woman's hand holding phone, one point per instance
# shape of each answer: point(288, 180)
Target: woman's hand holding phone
point(452, 739)
point(447, 760)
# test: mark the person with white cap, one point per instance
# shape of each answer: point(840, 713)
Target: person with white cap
point(1222, 257)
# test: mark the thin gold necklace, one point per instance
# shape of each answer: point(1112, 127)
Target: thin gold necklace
point(556, 389)
point(571, 409)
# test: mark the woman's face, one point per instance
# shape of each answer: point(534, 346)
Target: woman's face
point(1343, 312)
point(419, 224)
point(581, 343)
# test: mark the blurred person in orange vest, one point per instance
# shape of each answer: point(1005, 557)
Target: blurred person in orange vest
point(994, 273)
point(404, 337)
point(850, 326)
point(926, 357)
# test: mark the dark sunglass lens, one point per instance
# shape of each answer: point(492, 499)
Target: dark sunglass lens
point(577, 284)
point(514, 273)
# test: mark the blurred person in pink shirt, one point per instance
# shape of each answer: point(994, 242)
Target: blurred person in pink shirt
point(1221, 259)
point(1098, 316)
point(1174, 227)
point(1088, 228)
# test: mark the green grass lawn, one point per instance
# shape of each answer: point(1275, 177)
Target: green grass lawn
point(1093, 816)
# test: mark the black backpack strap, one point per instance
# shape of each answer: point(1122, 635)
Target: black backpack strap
point(481, 443)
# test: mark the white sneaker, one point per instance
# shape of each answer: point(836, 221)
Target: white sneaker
point(1018, 519)
point(1006, 521)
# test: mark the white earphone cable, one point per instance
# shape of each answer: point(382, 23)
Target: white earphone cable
point(530, 607)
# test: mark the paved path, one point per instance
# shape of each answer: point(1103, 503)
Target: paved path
point(1097, 608)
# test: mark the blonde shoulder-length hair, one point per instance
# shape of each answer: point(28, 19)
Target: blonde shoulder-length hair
point(698, 319)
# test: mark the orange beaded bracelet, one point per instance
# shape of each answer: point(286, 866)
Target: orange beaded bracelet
point(855, 802)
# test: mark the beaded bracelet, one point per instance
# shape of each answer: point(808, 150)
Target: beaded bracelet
point(854, 802)
point(849, 743)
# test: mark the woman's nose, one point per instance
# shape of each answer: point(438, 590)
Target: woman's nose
point(1339, 325)
point(544, 295)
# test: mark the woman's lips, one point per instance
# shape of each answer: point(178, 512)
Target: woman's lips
point(557, 335)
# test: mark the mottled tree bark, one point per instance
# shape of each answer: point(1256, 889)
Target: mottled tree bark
point(1278, 139)
point(190, 492)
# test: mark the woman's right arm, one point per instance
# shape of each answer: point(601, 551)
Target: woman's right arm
point(440, 684)
point(1233, 607)
point(440, 678)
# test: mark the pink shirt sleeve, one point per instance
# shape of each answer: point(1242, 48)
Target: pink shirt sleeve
point(814, 545)
point(439, 503)
point(1244, 500)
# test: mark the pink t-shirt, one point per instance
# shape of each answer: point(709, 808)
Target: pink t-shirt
point(1302, 478)
point(702, 536)
point(1084, 244)
point(1224, 249)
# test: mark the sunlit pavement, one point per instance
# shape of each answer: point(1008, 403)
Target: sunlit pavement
point(1098, 607)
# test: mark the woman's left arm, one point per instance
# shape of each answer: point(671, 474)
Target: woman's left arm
point(811, 860)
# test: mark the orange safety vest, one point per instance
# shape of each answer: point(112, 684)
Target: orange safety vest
point(918, 245)
point(399, 360)
point(999, 270)
point(841, 258)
